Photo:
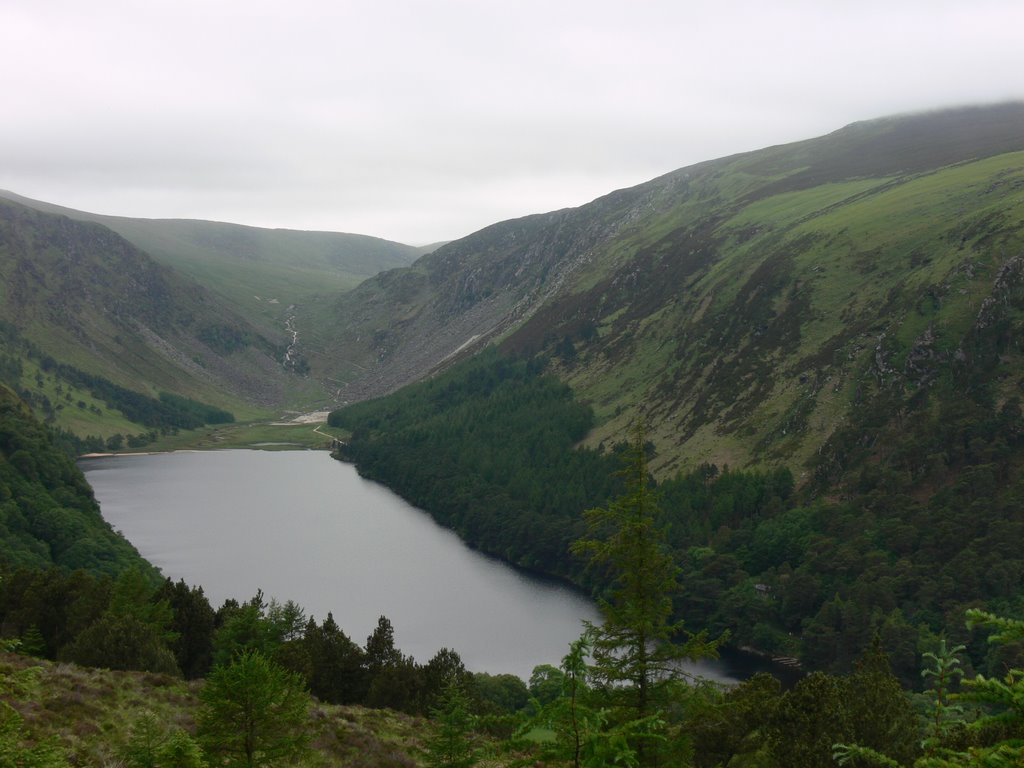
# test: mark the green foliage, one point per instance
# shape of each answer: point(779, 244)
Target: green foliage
point(868, 709)
point(635, 648)
point(244, 628)
point(380, 647)
point(487, 449)
point(732, 723)
point(122, 641)
point(1003, 698)
point(585, 733)
point(254, 713)
point(809, 720)
point(501, 693)
point(854, 754)
point(17, 750)
point(880, 713)
point(337, 668)
point(180, 751)
point(994, 740)
point(47, 511)
point(546, 683)
point(945, 672)
point(225, 338)
point(132, 633)
point(192, 626)
point(450, 745)
point(200, 412)
point(147, 737)
point(150, 745)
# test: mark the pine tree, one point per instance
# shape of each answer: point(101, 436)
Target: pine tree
point(450, 745)
point(17, 749)
point(636, 652)
point(380, 647)
point(254, 713)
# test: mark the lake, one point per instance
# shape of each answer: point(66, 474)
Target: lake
point(304, 527)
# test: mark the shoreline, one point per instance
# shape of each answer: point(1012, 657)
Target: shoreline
point(314, 419)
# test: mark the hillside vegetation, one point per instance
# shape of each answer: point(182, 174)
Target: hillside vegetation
point(48, 515)
point(743, 303)
point(97, 717)
point(87, 297)
point(824, 340)
point(97, 336)
point(265, 276)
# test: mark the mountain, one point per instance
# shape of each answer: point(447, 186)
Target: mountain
point(83, 310)
point(263, 275)
point(825, 341)
point(746, 305)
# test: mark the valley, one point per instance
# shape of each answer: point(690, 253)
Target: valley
point(740, 304)
point(816, 348)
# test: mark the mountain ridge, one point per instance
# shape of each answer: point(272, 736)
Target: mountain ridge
point(742, 263)
point(599, 277)
point(77, 294)
point(270, 277)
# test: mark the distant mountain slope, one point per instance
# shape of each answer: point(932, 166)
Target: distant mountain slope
point(745, 304)
point(264, 274)
point(86, 297)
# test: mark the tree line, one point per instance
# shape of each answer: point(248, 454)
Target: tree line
point(490, 450)
point(48, 514)
point(132, 623)
point(163, 414)
point(618, 698)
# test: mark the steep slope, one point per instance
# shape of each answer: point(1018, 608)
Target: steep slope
point(48, 515)
point(856, 327)
point(271, 277)
point(745, 303)
point(77, 294)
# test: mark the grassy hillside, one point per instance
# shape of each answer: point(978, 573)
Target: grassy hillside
point(784, 307)
point(91, 714)
point(77, 300)
point(739, 303)
point(264, 275)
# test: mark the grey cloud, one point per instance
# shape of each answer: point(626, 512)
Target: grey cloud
point(423, 121)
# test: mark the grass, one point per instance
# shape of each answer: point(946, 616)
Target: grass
point(264, 435)
point(860, 257)
point(91, 712)
point(70, 416)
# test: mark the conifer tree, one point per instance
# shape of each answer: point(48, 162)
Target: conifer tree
point(450, 745)
point(997, 735)
point(17, 749)
point(254, 713)
point(636, 648)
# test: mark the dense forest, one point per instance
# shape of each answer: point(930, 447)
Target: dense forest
point(612, 701)
point(693, 534)
point(48, 515)
point(133, 623)
point(489, 448)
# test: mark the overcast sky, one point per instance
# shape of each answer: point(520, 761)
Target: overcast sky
point(424, 121)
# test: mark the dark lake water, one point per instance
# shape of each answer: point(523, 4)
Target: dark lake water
point(302, 526)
